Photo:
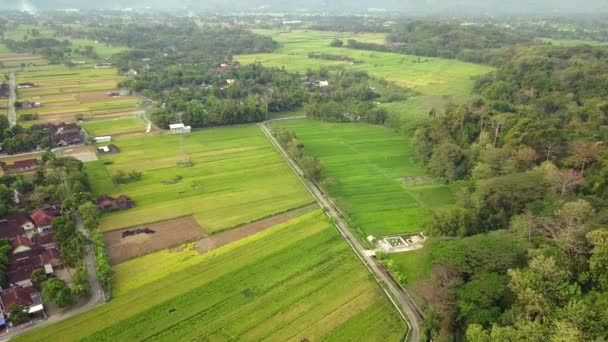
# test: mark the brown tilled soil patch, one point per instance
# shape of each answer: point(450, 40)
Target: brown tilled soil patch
point(167, 234)
point(221, 239)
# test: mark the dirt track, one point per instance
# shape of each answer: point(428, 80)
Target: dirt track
point(224, 238)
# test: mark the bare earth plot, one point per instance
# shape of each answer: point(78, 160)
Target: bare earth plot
point(166, 234)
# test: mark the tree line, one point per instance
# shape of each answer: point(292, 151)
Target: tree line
point(523, 254)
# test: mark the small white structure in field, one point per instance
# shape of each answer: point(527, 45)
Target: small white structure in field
point(323, 84)
point(131, 73)
point(230, 81)
point(179, 129)
point(104, 139)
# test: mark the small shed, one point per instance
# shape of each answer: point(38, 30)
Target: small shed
point(179, 128)
point(103, 139)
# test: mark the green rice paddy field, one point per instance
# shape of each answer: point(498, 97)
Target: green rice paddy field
point(296, 281)
point(237, 177)
point(64, 92)
point(370, 175)
point(133, 124)
point(437, 80)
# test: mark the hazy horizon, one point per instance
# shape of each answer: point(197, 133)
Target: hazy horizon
point(458, 7)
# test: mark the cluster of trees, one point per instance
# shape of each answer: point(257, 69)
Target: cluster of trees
point(5, 251)
point(351, 96)
point(310, 165)
point(523, 254)
point(56, 51)
point(19, 139)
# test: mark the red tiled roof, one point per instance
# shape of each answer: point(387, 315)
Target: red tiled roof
point(21, 165)
point(50, 256)
point(45, 239)
point(18, 295)
point(21, 240)
point(43, 217)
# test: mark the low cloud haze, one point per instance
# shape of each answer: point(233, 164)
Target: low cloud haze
point(339, 6)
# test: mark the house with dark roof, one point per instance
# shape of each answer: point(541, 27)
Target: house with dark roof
point(67, 134)
point(25, 165)
point(28, 297)
point(107, 203)
point(21, 265)
point(16, 224)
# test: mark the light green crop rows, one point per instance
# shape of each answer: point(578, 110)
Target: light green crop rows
point(296, 281)
point(237, 177)
point(370, 174)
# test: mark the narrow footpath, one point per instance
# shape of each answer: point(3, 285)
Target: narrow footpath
point(398, 296)
point(12, 97)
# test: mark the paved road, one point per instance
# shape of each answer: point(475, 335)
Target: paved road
point(402, 301)
point(12, 114)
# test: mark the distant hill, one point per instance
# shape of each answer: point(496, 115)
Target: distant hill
point(334, 6)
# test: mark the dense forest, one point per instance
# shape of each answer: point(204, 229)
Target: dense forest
point(524, 255)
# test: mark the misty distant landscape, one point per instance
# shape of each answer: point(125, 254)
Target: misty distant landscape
point(417, 7)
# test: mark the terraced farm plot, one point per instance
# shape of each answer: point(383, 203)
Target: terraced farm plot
point(237, 177)
point(297, 281)
point(64, 92)
point(370, 175)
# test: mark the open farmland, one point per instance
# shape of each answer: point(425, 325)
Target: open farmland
point(132, 124)
point(64, 92)
point(437, 80)
point(296, 281)
point(236, 177)
point(369, 173)
point(102, 50)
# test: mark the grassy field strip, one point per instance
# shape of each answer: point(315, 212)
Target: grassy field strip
point(134, 124)
point(299, 275)
point(365, 167)
point(237, 178)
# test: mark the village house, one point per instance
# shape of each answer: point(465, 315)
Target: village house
point(4, 90)
point(22, 264)
point(106, 203)
point(110, 149)
point(29, 297)
point(223, 68)
point(16, 224)
point(43, 218)
point(78, 61)
point(67, 134)
point(230, 81)
point(30, 105)
point(26, 165)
